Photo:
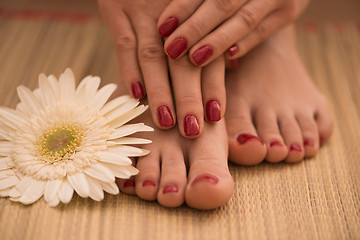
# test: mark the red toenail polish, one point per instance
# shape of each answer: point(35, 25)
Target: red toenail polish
point(234, 49)
point(294, 147)
point(170, 188)
point(165, 117)
point(137, 90)
point(148, 183)
point(191, 126)
point(129, 183)
point(168, 26)
point(213, 112)
point(309, 143)
point(176, 48)
point(276, 144)
point(202, 54)
point(207, 177)
point(244, 138)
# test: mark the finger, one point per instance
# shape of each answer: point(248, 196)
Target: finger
point(213, 89)
point(187, 92)
point(234, 29)
point(176, 13)
point(204, 20)
point(153, 62)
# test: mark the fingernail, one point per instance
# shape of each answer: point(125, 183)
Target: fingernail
point(213, 112)
point(148, 183)
point(191, 126)
point(207, 177)
point(170, 188)
point(165, 117)
point(277, 144)
point(233, 50)
point(244, 138)
point(137, 90)
point(129, 183)
point(168, 26)
point(294, 147)
point(176, 48)
point(309, 143)
point(202, 54)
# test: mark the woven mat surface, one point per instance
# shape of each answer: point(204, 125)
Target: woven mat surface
point(318, 198)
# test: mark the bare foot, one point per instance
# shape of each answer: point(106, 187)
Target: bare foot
point(274, 110)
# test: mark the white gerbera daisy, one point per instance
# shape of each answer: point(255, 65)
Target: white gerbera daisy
point(60, 139)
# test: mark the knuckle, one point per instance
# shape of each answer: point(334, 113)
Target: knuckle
point(263, 33)
point(189, 100)
point(197, 28)
point(125, 42)
point(153, 92)
point(249, 17)
point(226, 6)
point(151, 52)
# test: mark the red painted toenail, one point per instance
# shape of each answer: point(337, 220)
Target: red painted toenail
point(234, 49)
point(295, 147)
point(168, 26)
point(309, 143)
point(213, 112)
point(244, 138)
point(165, 117)
point(276, 144)
point(191, 126)
point(129, 183)
point(137, 90)
point(148, 183)
point(208, 177)
point(170, 188)
point(175, 48)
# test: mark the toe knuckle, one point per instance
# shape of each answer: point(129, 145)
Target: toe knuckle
point(151, 52)
point(249, 17)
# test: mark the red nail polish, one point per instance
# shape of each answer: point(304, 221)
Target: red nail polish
point(213, 112)
point(191, 126)
point(170, 188)
point(244, 138)
point(309, 143)
point(148, 183)
point(277, 144)
point(207, 177)
point(234, 49)
point(168, 26)
point(294, 147)
point(233, 64)
point(129, 183)
point(176, 48)
point(202, 54)
point(165, 117)
point(137, 90)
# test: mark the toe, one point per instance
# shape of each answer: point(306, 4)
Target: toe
point(292, 136)
point(310, 133)
point(268, 130)
point(126, 185)
point(324, 122)
point(173, 178)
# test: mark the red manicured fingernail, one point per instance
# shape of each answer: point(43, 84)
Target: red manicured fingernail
point(233, 50)
point(244, 138)
point(295, 147)
point(213, 112)
point(277, 144)
point(207, 177)
point(191, 126)
point(165, 117)
point(168, 26)
point(148, 183)
point(176, 48)
point(170, 188)
point(202, 54)
point(309, 143)
point(137, 90)
point(129, 183)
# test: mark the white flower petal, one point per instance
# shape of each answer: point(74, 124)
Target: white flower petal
point(114, 158)
point(15, 193)
point(28, 99)
point(79, 183)
point(5, 192)
point(6, 173)
point(33, 192)
point(128, 116)
point(55, 85)
point(129, 151)
point(91, 84)
point(66, 192)
point(111, 188)
point(130, 129)
point(6, 133)
point(23, 184)
point(6, 147)
point(102, 96)
point(48, 96)
point(51, 189)
point(129, 140)
point(123, 172)
point(54, 202)
point(100, 172)
point(67, 86)
point(96, 191)
point(114, 104)
point(123, 109)
point(12, 118)
point(6, 163)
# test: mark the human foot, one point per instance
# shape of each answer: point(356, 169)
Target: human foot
point(274, 110)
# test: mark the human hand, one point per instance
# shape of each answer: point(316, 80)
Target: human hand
point(208, 29)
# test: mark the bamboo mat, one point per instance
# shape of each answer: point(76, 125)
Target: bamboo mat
point(318, 198)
